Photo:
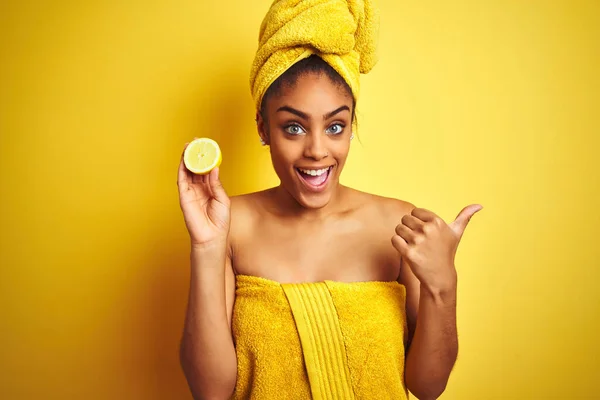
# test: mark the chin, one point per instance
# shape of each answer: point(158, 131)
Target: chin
point(314, 192)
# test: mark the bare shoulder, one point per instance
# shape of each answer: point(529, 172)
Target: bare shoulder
point(254, 202)
point(241, 205)
point(392, 206)
point(384, 209)
point(380, 216)
point(390, 211)
point(245, 211)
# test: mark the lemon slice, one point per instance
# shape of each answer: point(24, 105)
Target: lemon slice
point(202, 155)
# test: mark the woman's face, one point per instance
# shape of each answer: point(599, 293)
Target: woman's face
point(309, 128)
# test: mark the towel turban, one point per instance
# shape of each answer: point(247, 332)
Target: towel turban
point(343, 33)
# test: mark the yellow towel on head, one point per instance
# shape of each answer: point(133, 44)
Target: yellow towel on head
point(343, 33)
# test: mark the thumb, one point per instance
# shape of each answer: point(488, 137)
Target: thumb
point(463, 218)
point(216, 187)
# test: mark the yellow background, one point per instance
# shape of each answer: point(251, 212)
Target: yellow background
point(472, 102)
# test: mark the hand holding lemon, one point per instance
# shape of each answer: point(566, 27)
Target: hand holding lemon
point(205, 205)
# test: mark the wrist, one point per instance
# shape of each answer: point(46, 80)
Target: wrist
point(209, 256)
point(210, 246)
point(443, 290)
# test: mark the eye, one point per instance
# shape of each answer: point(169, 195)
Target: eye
point(294, 129)
point(335, 129)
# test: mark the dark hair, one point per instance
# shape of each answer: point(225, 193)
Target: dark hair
point(310, 65)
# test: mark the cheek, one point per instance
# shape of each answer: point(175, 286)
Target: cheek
point(340, 150)
point(284, 153)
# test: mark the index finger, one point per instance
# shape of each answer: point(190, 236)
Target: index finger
point(424, 214)
point(182, 172)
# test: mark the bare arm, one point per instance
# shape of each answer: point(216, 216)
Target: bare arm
point(207, 351)
point(433, 341)
point(427, 246)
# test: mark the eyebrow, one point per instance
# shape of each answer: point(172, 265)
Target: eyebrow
point(293, 111)
point(306, 117)
point(336, 111)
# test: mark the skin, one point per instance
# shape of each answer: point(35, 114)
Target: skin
point(353, 236)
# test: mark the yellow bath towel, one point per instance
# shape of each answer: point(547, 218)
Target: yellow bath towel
point(343, 33)
point(322, 340)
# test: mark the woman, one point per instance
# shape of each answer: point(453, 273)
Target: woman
point(297, 291)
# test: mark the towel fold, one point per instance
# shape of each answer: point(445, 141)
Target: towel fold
point(342, 32)
point(322, 340)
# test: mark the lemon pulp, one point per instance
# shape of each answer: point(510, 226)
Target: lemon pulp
point(202, 155)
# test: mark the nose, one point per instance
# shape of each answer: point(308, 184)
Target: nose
point(315, 147)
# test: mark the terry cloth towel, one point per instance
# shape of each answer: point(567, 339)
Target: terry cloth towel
point(343, 33)
point(319, 340)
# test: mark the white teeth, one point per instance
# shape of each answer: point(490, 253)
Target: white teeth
point(314, 172)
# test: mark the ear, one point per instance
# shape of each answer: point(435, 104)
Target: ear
point(261, 126)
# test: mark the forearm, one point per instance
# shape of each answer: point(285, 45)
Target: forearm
point(434, 346)
point(207, 351)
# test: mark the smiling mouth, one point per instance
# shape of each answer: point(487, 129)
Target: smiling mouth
point(314, 180)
